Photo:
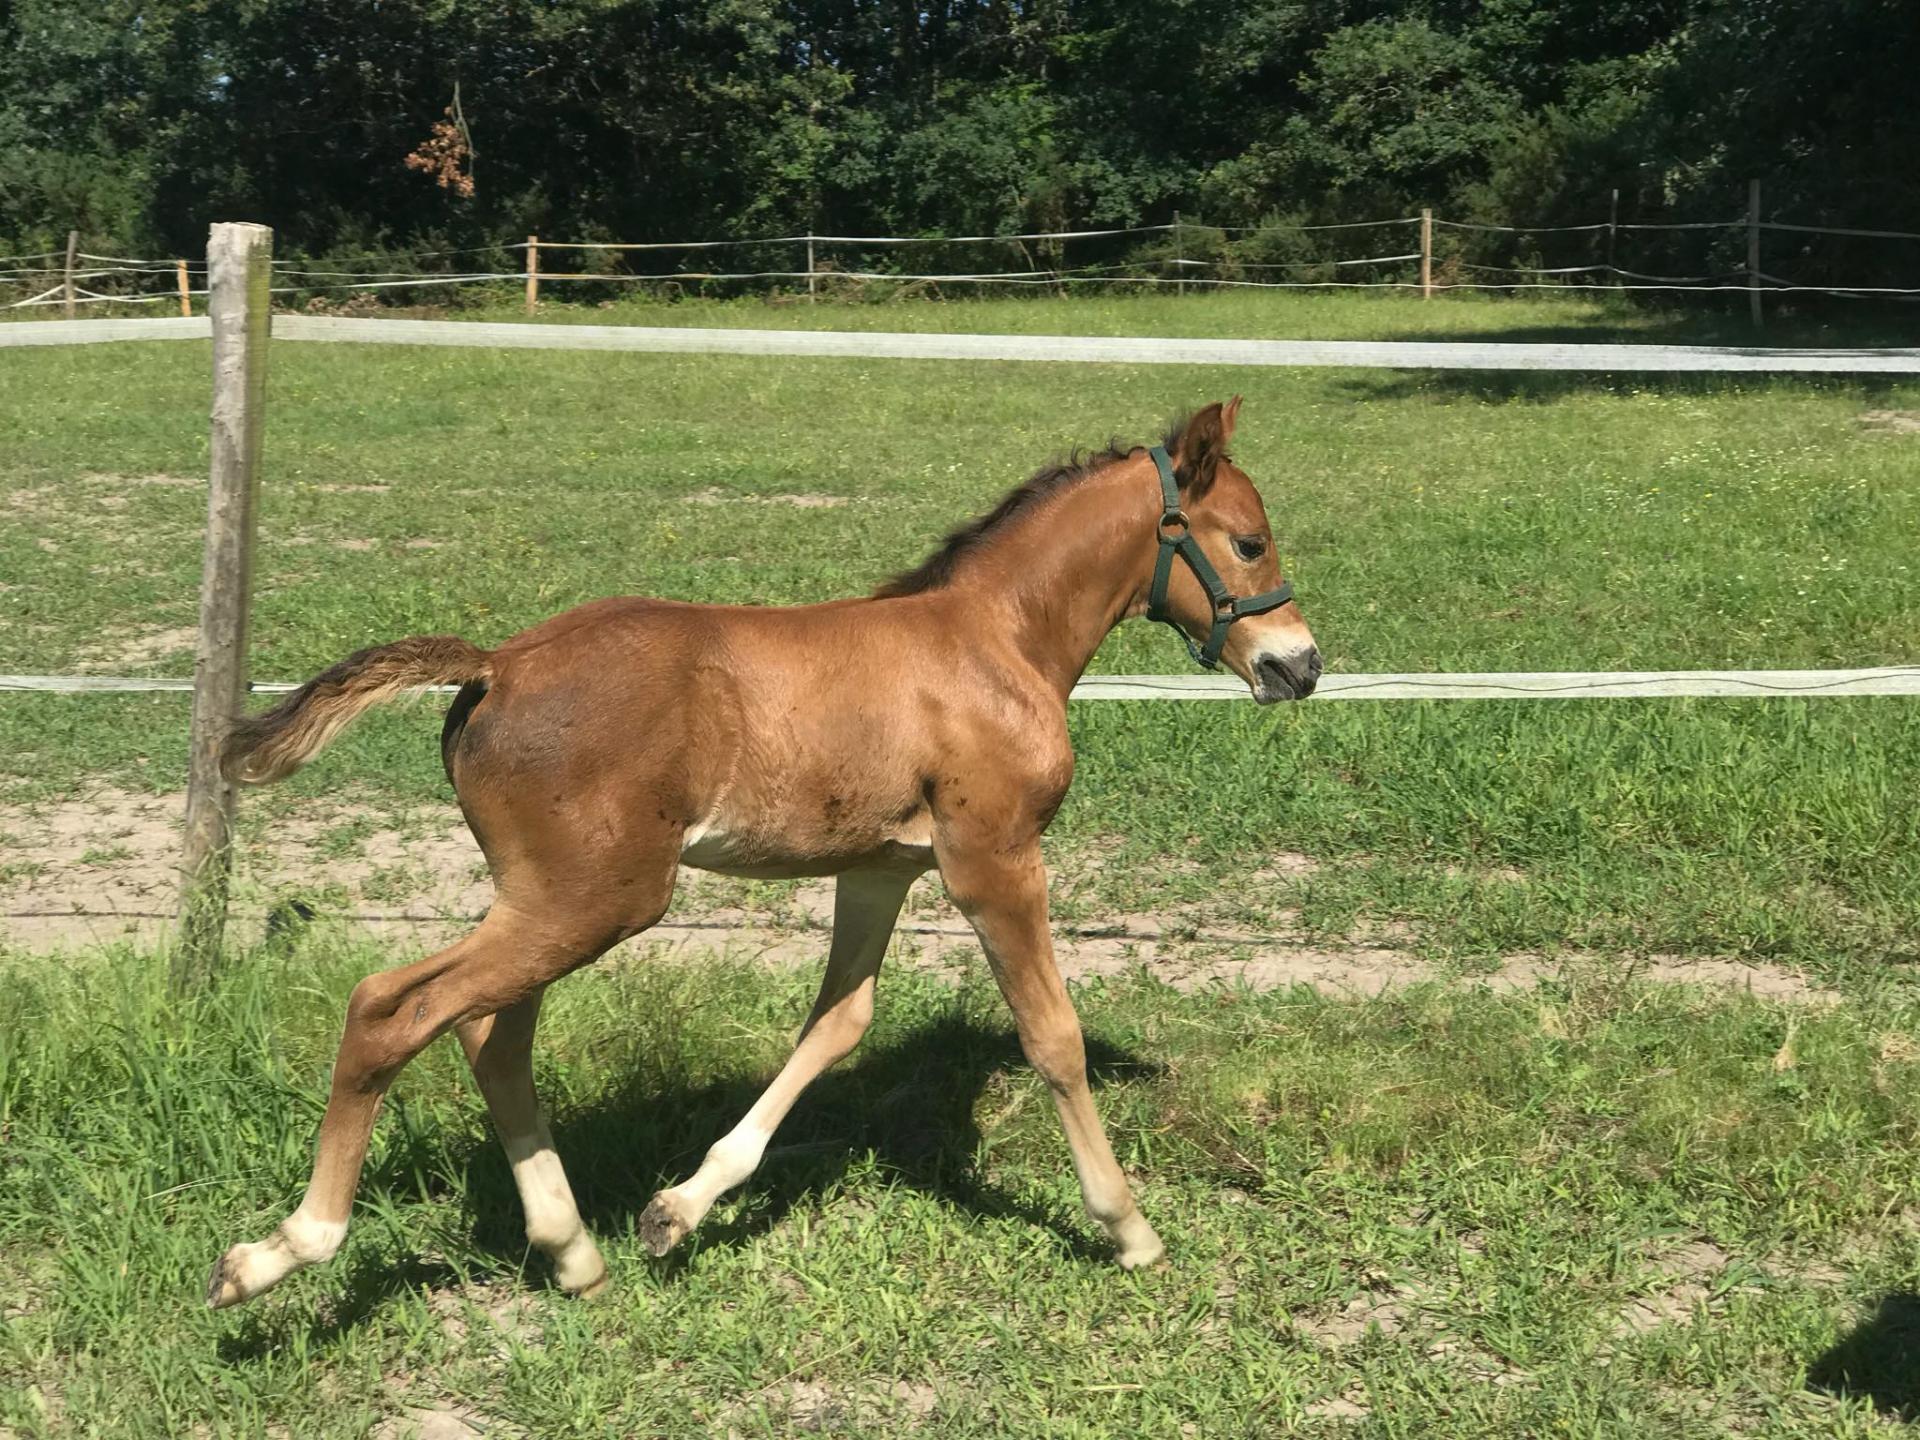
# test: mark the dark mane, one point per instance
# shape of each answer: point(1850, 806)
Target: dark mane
point(937, 569)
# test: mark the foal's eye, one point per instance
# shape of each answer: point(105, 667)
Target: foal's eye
point(1249, 547)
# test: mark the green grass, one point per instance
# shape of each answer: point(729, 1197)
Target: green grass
point(1598, 1209)
point(1432, 522)
point(1565, 313)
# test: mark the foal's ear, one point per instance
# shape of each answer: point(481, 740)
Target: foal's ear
point(1203, 445)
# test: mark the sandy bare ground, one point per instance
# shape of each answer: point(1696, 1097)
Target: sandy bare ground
point(101, 867)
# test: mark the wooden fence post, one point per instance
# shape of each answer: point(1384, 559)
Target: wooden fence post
point(533, 272)
point(1753, 251)
point(73, 253)
point(1426, 253)
point(1613, 234)
point(1179, 258)
point(811, 296)
point(239, 277)
point(186, 289)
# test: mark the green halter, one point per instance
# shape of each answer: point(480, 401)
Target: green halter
point(1226, 608)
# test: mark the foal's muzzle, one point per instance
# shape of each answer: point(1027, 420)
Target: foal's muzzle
point(1289, 677)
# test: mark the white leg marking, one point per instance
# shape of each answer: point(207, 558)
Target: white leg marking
point(300, 1241)
point(865, 907)
point(732, 1159)
point(553, 1220)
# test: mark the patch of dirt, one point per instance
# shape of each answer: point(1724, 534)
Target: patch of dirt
point(1475, 1362)
point(179, 482)
point(1284, 865)
point(457, 1422)
point(1688, 1272)
point(1768, 982)
point(814, 1405)
point(1340, 1407)
point(123, 649)
point(1384, 1311)
point(1808, 1270)
point(354, 545)
point(1891, 422)
point(509, 1314)
point(103, 866)
point(333, 489)
point(713, 496)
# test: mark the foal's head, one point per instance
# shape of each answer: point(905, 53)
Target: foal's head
point(1273, 652)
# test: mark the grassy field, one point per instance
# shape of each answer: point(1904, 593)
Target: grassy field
point(1597, 1207)
point(1594, 1209)
point(1563, 313)
point(1432, 522)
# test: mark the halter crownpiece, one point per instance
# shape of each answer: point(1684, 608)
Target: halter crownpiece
point(1176, 537)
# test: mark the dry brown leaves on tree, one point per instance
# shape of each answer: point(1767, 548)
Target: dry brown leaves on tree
point(447, 156)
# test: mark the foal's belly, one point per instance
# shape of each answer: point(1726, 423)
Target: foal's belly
point(752, 853)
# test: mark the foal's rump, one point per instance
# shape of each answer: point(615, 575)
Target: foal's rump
point(273, 744)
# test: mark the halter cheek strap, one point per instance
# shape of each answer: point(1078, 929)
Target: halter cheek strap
point(1176, 537)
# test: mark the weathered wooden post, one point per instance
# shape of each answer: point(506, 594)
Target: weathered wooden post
point(239, 276)
point(186, 289)
point(533, 272)
point(73, 254)
point(1753, 251)
point(1613, 235)
point(811, 282)
point(1179, 258)
point(1426, 253)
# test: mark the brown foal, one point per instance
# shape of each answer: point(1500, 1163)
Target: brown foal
point(924, 727)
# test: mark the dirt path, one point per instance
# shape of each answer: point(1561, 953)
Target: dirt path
point(101, 867)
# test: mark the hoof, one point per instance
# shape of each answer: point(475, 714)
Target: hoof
point(223, 1285)
point(1155, 1259)
point(1139, 1246)
point(591, 1288)
point(578, 1268)
point(663, 1226)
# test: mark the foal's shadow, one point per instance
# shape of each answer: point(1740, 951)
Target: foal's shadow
point(908, 1101)
point(1879, 1361)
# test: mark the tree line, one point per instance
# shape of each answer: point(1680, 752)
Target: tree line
point(366, 126)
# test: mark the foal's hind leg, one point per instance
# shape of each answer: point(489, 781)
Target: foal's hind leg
point(500, 1049)
point(390, 1018)
point(865, 905)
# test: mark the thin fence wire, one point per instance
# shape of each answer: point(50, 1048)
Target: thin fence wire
point(1202, 272)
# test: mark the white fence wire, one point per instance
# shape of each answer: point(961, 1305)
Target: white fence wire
point(1883, 680)
point(1082, 349)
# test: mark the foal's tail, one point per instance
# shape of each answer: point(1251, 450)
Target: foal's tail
point(275, 743)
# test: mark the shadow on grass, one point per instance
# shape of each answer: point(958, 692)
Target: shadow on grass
point(909, 1101)
point(1717, 323)
point(1503, 387)
point(1879, 1361)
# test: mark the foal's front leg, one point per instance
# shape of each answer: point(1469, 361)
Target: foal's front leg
point(865, 905)
point(1003, 894)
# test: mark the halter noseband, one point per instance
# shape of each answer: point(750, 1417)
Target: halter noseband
point(1176, 536)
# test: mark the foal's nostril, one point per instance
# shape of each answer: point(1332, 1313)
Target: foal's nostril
point(1295, 676)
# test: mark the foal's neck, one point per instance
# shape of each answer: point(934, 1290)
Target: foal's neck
point(1063, 575)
